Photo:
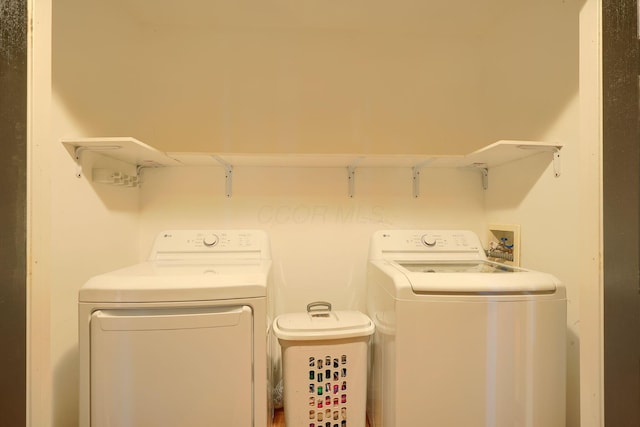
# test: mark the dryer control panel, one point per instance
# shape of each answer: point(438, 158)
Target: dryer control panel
point(198, 243)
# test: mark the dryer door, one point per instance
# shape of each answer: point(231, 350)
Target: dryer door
point(179, 367)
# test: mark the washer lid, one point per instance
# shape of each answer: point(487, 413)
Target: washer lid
point(322, 325)
point(175, 282)
point(475, 277)
point(457, 267)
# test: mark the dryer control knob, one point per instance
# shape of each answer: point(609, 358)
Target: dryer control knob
point(429, 240)
point(210, 240)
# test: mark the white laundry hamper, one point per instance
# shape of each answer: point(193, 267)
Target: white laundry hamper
point(324, 357)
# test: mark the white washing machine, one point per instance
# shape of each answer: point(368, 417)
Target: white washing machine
point(179, 340)
point(461, 341)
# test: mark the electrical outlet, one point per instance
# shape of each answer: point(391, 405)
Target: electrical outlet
point(504, 243)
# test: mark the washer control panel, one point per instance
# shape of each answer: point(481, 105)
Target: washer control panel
point(389, 243)
point(209, 242)
point(448, 241)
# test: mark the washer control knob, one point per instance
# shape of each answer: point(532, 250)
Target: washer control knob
point(210, 240)
point(428, 240)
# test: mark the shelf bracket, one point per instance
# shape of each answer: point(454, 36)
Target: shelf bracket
point(79, 150)
point(555, 150)
point(416, 177)
point(351, 173)
point(556, 163)
point(140, 168)
point(484, 171)
point(485, 177)
point(228, 175)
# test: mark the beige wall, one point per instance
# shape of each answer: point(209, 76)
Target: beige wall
point(307, 77)
point(319, 236)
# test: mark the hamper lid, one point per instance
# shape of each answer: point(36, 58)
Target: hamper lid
point(321, 323)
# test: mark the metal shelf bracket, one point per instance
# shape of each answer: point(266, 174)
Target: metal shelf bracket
point(351, 173)
point(555, 150)
point(485, 177)
point(484, 171)
point(556, 163)
point(415, 170)
point(228, 175)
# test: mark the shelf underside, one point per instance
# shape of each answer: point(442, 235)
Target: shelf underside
point(134, 152)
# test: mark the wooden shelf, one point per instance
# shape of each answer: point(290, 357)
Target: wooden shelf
point(493, 155)
point(128, 150)
point(502, 152)
point(134, 152)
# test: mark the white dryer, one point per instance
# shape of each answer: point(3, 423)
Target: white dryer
point(179, 340)
point(461, 341)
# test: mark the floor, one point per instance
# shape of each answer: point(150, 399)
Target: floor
point(278, 420)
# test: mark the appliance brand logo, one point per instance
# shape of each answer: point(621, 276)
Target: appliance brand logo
point(321, 214)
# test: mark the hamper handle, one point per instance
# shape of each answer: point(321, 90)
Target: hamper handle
point(314, 306)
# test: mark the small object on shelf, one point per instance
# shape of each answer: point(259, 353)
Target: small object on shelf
point(111, 177)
